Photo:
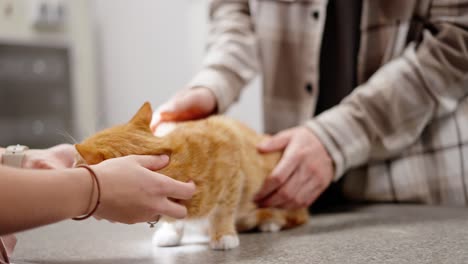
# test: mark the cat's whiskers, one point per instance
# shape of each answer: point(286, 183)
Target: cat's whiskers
point(68, 137)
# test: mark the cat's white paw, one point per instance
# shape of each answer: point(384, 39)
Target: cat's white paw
point(225, 242)
point(170, 240)
point(270, 227)
point(168, 235)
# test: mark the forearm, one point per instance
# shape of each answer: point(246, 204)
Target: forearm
point(384, 116)
point(32, 198)
point(231, 59)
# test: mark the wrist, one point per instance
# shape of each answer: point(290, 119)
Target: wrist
point(84, 192)
point(225, 85)
point(211, 97)
point(330, 148)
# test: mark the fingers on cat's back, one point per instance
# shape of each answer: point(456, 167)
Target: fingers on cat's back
point(172, 209)
point(177, 189)
point(152, 162)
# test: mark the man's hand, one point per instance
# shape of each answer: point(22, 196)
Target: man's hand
point(303, 173)
point(186, 105)
point(57, 157)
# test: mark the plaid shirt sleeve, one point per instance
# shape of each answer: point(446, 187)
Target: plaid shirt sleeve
point(388, 113)
point(231, 59)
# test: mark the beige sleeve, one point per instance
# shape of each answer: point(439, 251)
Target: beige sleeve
point(231, 57)
point(388, 113)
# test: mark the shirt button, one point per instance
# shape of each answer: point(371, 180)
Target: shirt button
point(309, 88)
point(315, 14)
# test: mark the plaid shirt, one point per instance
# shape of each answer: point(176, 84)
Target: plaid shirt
point(402, 135)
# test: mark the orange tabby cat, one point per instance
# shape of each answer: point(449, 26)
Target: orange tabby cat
point(219, 155)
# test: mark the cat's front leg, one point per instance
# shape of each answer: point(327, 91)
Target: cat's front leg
point(169, 233)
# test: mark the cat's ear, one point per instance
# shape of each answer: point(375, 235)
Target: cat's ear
point(89, 155)
point(144, 115)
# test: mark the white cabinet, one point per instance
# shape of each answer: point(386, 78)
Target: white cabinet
point(47, 72)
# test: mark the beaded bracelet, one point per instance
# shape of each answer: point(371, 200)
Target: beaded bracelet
point(95, 178)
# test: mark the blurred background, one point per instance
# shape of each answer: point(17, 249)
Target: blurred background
point(71, 67)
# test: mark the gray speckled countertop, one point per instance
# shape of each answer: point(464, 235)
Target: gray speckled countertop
point(371, 234)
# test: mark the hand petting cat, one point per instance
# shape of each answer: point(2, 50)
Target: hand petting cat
point(303, 173)
point(144, 197)
point(218, 154)
point(188, 104)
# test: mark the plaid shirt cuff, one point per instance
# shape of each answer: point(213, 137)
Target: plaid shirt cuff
point(226, 87)
point(330, 146)
point(346, 141)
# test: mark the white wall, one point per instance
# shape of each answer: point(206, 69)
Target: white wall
point(148, 49)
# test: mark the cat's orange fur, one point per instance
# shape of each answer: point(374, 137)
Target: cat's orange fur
point(218, 154)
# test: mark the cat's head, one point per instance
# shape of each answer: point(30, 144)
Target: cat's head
point(132, 138)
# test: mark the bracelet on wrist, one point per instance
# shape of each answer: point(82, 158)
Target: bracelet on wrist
point(98, 201)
